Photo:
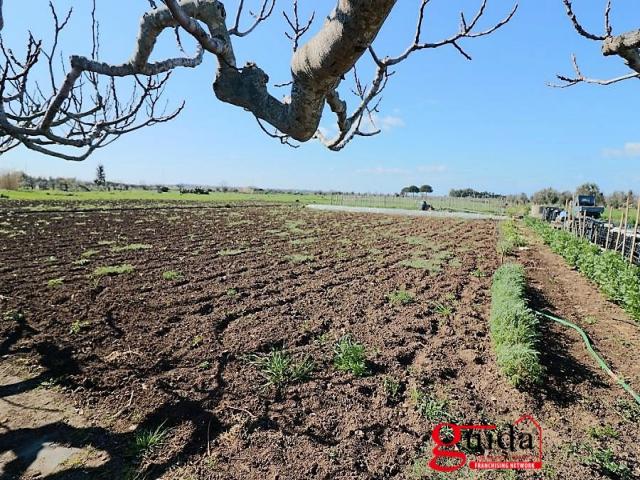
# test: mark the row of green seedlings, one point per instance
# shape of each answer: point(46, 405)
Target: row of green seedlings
point(510, 239)
point(278, 368)
point(616, 278)
point(514, 327)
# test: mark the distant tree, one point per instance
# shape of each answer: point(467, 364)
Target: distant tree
point(28, 181)
point(520, 199)
point(101, 177)
point(618, 199)
point(565, 197)
point(413, 189)
point(426, 189)
point(10, 180)
point(547, 196)
point(591, 189)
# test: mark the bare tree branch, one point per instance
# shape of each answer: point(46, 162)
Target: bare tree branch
point(625, 46)
point(80, 116)
point(89, 115)
point(265, 12)
point(297, 29)
point(349, 126)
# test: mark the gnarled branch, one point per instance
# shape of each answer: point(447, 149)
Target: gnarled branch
point(318, 68)
point(625, 46)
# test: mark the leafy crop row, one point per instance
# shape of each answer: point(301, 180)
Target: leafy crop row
point(618, 280)
point(514, 327)
point(510, 239)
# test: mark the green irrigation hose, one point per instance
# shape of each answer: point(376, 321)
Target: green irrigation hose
point(593, 353)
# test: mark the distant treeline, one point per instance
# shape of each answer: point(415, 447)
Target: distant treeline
point(470, 192)
point(551, 196)
point(517, 199)
point(15, 180)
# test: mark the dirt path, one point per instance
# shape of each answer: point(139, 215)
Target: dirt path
point(32, 426)
point(569, 295)
point(585, 410)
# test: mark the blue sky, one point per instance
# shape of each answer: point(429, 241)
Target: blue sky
point(492, 123)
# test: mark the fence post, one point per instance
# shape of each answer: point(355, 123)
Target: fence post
point(626, 226)
point(635, 233)
point(606, 247)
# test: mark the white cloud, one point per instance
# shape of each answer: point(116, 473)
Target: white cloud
point(432, 168)
point(385, 123)
point(389, 122)
point(384, 171)
point(630, 149)
point(420, 169)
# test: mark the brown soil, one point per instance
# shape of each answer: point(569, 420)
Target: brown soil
point(136, 351)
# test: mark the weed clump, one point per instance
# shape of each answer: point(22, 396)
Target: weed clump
point(400, 297)
point(300, 258)
point(279, 369)
point(391, 387)
point(55, 282)
point(148, 440)
point(113, 270)
point(429, 407)
point(131, 247)
point(172, 276)
point(349, 356)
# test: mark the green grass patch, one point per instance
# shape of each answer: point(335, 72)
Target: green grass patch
point(418, 241)
point(132, 247)
point(172, 276)
point(349, 356)
point(603, 432)
point(443, 309)
point(155, 197)
point(400, 297)
point(89, 253)
point(55, 282)
point(303, 241)
point(112, 270)
point(279, 369)
point(514, 327)
point(429, 407)
point(148, 440)
point(391, 387)
point(432, 265)
point(230, 252)
point(300, 258)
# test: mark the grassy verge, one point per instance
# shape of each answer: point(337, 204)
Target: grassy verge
point(617, 214)
point(616, 278)
point(95, 196)
point(514, 327)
